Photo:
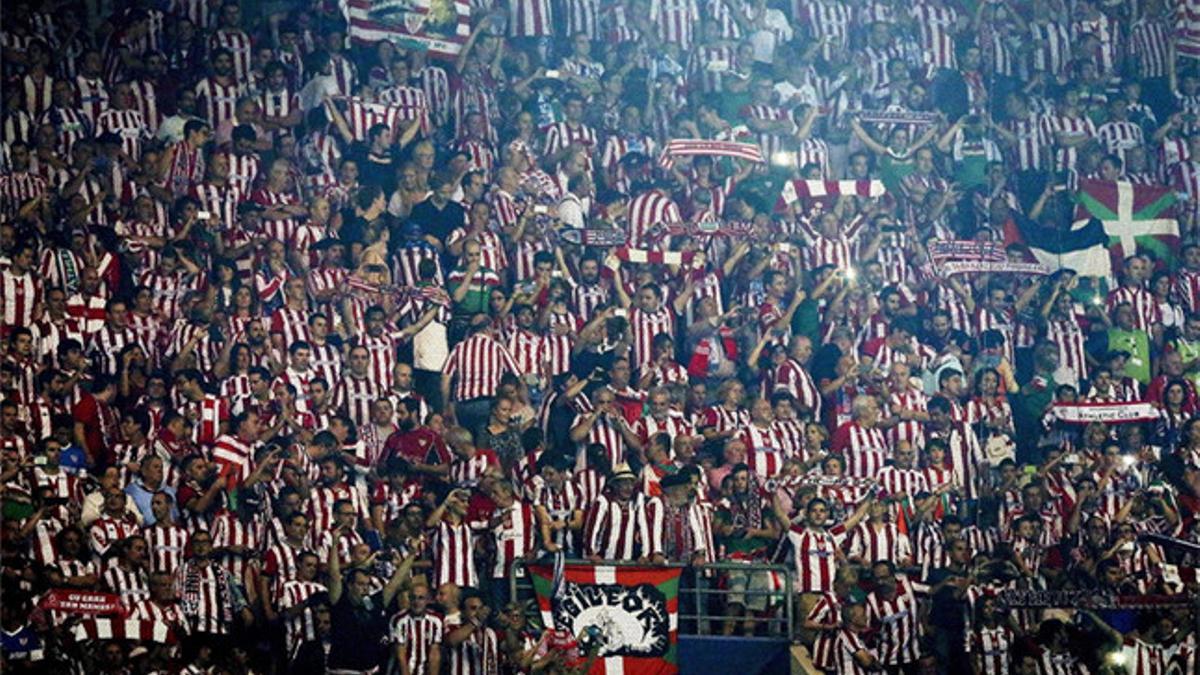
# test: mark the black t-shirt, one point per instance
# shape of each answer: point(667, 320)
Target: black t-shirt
point(375, 169)
point(948, 611)
point(358, 633)
point(438, 222)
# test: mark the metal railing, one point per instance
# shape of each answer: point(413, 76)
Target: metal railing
point(702, 596)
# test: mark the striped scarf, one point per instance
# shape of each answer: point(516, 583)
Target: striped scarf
point(192, 596)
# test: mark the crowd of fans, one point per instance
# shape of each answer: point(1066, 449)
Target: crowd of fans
point(302, 351)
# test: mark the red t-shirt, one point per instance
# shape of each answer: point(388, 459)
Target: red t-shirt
point(87, 412)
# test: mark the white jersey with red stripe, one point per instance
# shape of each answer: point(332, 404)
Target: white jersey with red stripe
point(865, 450)
point(530, 19)
point(899, 625)
point(302, 626)
point(20, 298)
point(936, 24)
point(616, 530)
point(167, 545)
point(828, 612)
point(92, 96)
point(218, 101)
point(239, 45)
point(1074, 127)
point(420, 634)
point(477, 364)
point(675, 20)
point(129, 125)
point(885, 542)
point(1051, 41)
point(453, 554)
point(648, 210)
point(645, 326)
point(515, 537)
point(815, 554)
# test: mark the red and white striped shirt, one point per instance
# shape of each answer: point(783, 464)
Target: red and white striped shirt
point(826, 20)
point(514, 535)
point(936, 25)
point(167, 545)
point(865, 450)
point(234, 457)
point(187, 169)
point(675, 20)
point(145, 101)
point(326, 497)
point(616, 531)
point(992, 646)
point(561, 135)
point(16, 188)
point(354, 395)
point(648, 210)
point(129, 125)
point(477, 364)
point(898, 623)
point(645, 325)
point(238, 43)
point(1027, 152)
point(828, 612)
point(218, 101)
point(1146, 311)
point(1064, 157)
point(530, 19)
point(1051, 43)
point(108, 530)
point(206, 615)
point(93, 97)
point(902, 481)
point(20, 296)
point(302, 626)
point(420, 635)
point(873, 544)
point(815, 554)
point(453, 555)
point(1150, 45)
point(130, 584)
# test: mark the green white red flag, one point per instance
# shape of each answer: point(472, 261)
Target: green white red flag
point(1135, 217)
point(633, 612)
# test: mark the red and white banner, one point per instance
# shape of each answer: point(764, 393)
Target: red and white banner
point(817, 189)
point(897, 117)
point(643, 256)
point(440, 27)
point(82, 602)
point(1113, 413)
point(965, 249)
point(987, 266)
point(689, 147)
point(131, 629)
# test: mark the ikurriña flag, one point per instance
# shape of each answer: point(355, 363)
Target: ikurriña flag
point(632, 611)
point(1135, 217)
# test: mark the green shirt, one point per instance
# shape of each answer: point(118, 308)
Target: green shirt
point(1189, 351)
point(1137, 344)
point(893, 170)
point(478, 292)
